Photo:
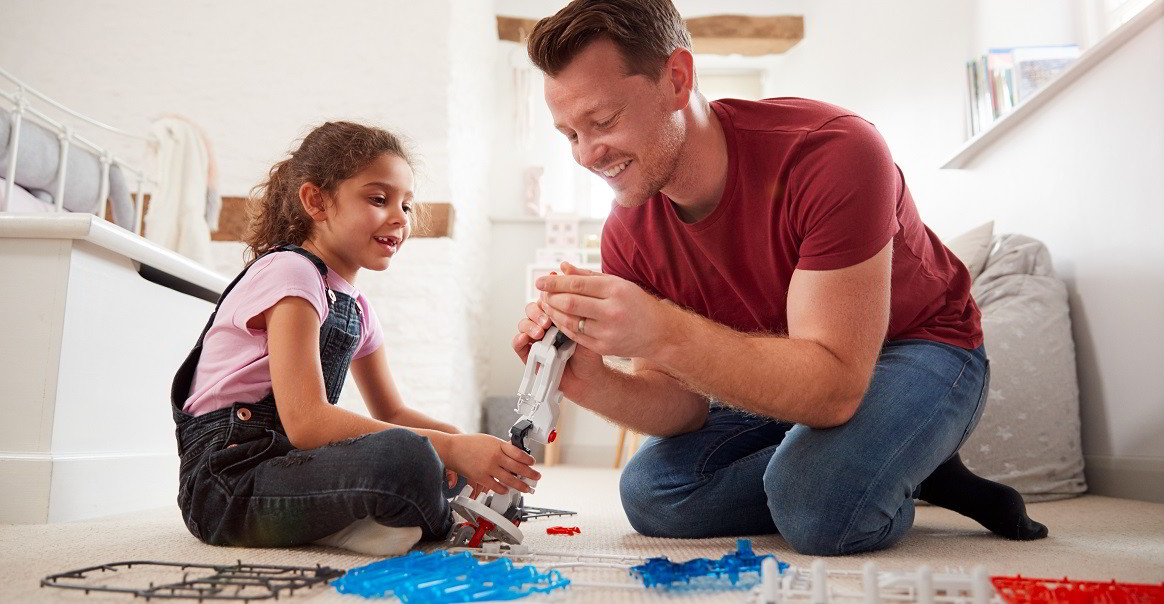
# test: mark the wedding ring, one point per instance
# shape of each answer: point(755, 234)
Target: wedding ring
point(582, 326)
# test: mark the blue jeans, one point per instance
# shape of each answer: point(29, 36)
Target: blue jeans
point(833, 491)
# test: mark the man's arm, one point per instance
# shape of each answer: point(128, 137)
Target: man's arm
point(815, 376)
point(647, 400)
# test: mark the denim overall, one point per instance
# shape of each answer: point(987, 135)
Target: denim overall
point(242, 483)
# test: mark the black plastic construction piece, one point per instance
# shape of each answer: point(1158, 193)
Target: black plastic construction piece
point(529, 513)
point(239, 581)
point(518, 432)
point(561, 339)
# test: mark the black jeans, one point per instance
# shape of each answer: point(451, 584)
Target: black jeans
point(241, 482)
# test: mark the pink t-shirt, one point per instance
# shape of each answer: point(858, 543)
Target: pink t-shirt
point(234, 367)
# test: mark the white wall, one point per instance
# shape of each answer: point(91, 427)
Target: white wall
point(1085, 176)
point(256, 75)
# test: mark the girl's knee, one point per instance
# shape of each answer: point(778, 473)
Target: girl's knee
point(397, 456)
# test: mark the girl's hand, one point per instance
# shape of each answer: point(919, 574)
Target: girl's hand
point(450, 478)
point(490, 462)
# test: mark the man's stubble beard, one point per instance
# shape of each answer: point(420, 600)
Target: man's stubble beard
point(669, 149)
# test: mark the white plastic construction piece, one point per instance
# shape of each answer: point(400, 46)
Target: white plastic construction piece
point(538, 396)
point(491, 548)
point(869, 583)
point(925, 585)
point(473, 510)
point(498, 502)
point(538, 400)
point(817, 584)
point(820, 582)
point(980, 588)
point(770, 581)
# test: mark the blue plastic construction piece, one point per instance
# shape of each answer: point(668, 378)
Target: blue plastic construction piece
point(742, 570)
point(443, 577)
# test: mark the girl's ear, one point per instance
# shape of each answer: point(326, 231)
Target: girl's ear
point(312, 199)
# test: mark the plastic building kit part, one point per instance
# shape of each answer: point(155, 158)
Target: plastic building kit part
point(1019, 589)
point(525, 513)
point(484, 520)
point(742, 569)
point(818, 585)
point(215, 582)
point(443, 577)
point(538, 398)
point(563, 530)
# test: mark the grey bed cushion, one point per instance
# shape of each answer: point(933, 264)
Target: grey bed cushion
point(1028, 436)
point(36, 169)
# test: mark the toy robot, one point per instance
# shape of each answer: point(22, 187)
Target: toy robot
point(496, 515)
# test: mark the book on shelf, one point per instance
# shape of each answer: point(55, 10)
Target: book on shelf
point(1037, 65)
point(1004, 77)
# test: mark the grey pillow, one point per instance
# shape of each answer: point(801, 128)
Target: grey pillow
point(38, 159)
point(973, 247)
point(1028, 436)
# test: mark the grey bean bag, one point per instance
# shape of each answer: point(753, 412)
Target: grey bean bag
point(1028, 436)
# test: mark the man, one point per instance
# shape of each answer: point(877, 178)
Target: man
point(805, 351)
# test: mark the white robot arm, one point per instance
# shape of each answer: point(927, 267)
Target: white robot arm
point(538, 400)
point(538, 396)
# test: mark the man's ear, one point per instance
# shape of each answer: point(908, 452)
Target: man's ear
point(312, 199)
point(679, 74)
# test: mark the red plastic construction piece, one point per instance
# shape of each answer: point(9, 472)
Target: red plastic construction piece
point(483, 527)
point(1021, 590)
point(563, 530)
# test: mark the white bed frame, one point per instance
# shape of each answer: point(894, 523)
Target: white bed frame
point(96, 321)
point(24, 100)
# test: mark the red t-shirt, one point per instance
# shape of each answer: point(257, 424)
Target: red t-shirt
point(809, 186)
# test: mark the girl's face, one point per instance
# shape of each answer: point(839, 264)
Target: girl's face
point(366, 219)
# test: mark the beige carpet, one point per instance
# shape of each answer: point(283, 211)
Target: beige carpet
point(1094, 538)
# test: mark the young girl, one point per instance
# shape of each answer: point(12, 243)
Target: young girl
point(267, 459)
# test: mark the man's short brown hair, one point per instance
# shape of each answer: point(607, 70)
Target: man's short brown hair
point(645, 31)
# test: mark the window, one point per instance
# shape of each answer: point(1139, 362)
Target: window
point(1119, 12)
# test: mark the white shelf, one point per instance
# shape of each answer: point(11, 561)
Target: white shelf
point(1082, 65)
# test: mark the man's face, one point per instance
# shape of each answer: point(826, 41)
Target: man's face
point(620, 127)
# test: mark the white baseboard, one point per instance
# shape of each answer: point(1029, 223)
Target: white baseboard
point(47, 488)
point(1127, 477)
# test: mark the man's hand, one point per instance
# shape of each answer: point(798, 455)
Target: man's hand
point(584, 366)
point(605, 313)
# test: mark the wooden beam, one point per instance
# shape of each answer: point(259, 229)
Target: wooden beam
point(717, 34)
point(745, 35)
point(436, 219)
point(514, 29)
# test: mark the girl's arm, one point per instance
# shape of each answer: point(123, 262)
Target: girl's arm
point(383, 399)
point(292, 326)
point(297, 378)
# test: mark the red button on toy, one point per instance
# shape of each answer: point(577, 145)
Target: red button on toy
point(553, 435)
